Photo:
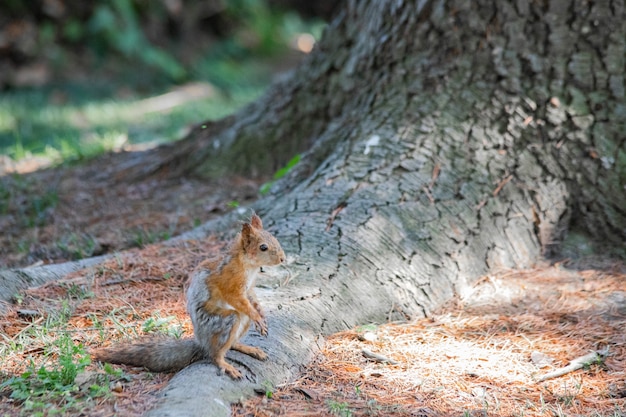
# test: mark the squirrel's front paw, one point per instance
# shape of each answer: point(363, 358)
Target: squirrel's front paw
point(257, 306)
point(261, 326)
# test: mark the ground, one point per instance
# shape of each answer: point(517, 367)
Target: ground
point(66, 213)
point(480, 355)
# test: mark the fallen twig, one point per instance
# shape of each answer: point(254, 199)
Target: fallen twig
point(378, 357)
point(575, 364)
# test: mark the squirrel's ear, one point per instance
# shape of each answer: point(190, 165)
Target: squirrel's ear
point(256, 221)
point(246, 231)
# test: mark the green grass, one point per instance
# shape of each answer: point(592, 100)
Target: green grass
point(63, 385)
point(162, 325)
point(77, 245)
point(30, 204)
point(82, 117)
point(89, 122)
point(55, 381)
point(58, 377)
point(144, 237)
point(339, 409)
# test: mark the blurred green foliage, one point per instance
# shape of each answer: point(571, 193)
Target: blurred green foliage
point(90, 121)
point(115, 25)
point(89, 108)
point(153, 34)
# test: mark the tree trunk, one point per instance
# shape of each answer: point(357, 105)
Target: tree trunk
point(448, 138)
point(489, 96)
point(445, 139)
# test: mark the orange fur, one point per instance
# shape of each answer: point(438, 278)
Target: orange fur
point(230, 283)
point(222, 304)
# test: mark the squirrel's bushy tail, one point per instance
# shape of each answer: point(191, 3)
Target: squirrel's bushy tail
point(156, 355)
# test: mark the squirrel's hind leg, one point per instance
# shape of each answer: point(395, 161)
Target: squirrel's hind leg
point(216, 332)
point(244, 325)
point(224, 340)
point(255, 352)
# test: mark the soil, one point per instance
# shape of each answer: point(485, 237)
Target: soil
point(70, 212)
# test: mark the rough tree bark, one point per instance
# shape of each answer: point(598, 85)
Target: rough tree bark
point(442, 139)
point(446, 139)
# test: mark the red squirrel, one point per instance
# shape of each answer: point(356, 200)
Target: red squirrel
point(222, 304)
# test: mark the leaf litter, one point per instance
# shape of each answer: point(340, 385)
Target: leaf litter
point(109, 303)
point(473, 357)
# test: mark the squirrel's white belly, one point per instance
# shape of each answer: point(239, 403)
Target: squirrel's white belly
point(244, 320)
point(243, 326)
point(226, 306)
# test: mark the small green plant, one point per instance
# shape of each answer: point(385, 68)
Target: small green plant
point(158, 324)
point(18, 298)
point(269, 389)
point(569, 394)
point(265, 188)
point(78, 292)
point(18, 149)
point(40, 206)
point(78, 245)
point(376, 409)
point(144, 237)
point(117, 373)
point(101, 385)
point(339, 409)
point(367, 328)
point(30, 204)
point(598, 360)
point(48, 387)
point(98, 325)
point(58, 318)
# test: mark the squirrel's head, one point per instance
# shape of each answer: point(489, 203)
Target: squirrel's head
point(260, 247)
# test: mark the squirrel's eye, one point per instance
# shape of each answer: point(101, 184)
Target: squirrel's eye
point(263, 247)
